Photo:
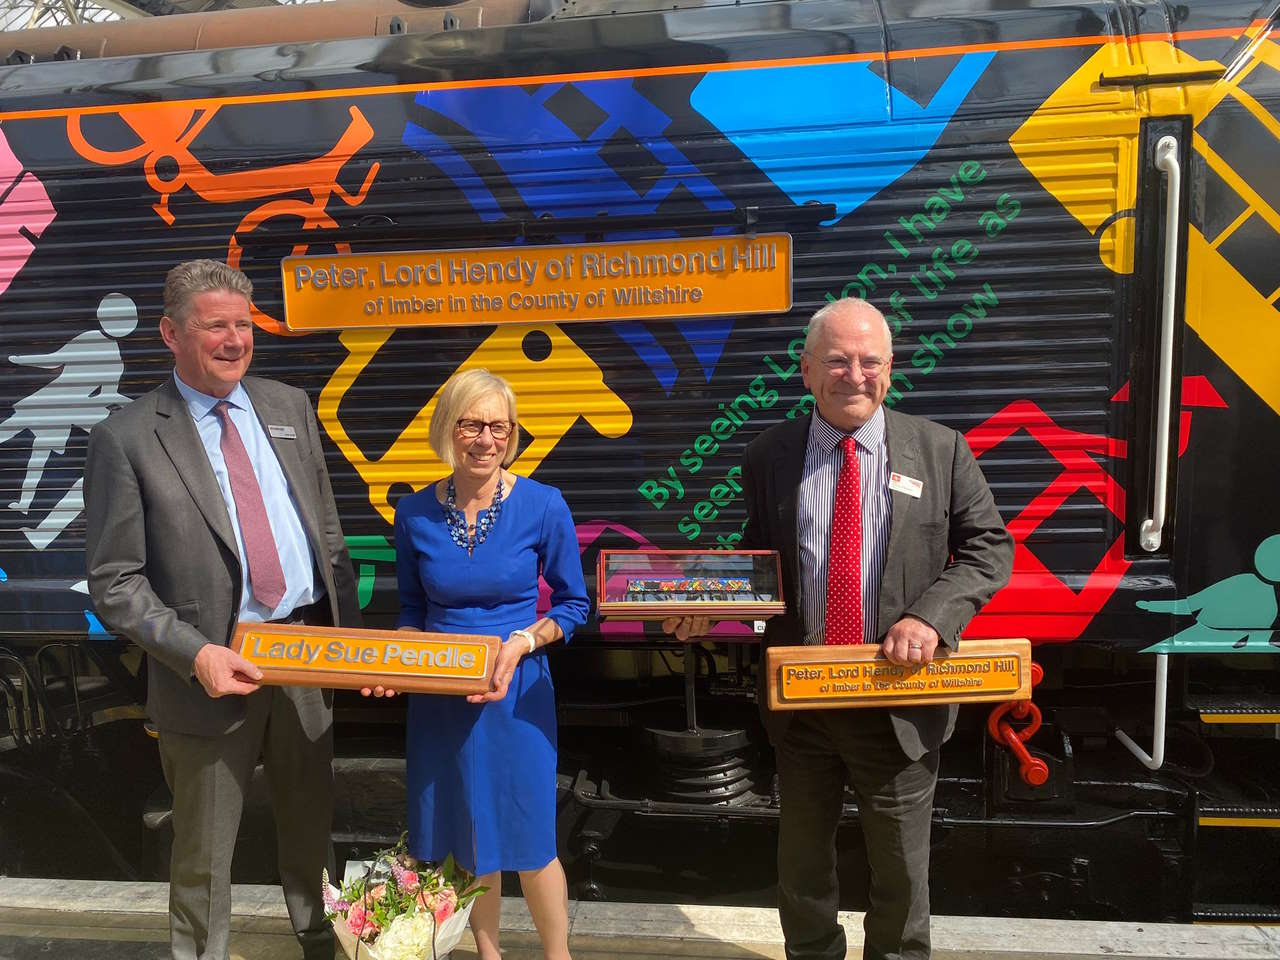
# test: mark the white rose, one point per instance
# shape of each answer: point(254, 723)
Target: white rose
point(408, 937)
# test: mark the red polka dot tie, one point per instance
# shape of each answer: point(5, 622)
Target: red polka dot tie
point(844, 559)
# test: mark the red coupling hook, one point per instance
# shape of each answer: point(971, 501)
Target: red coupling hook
point(1033, 770)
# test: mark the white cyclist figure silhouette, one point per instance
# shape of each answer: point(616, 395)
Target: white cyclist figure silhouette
point(83, 392)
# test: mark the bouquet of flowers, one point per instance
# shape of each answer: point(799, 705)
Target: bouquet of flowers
point(400, 908)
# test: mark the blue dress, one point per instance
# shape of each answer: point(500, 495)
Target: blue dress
point(482, 777)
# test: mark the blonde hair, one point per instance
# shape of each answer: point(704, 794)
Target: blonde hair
point(463, 390)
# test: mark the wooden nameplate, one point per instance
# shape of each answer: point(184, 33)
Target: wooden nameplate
point(408, 661)
point(825, 678)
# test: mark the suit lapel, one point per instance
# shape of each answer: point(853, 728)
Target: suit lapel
point(177, 434)
point(295, 473)
point(788, 468)
point(901, 439)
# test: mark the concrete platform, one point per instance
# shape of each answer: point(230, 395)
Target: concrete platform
point(87, 920)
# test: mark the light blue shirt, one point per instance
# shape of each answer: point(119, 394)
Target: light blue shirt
point(282, 511)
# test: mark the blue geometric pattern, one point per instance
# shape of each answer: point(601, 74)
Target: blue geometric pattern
point(856, 133)
point(558, 173)
point(555, 171)
point(870, 132)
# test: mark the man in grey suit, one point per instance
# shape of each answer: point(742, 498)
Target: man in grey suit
point(932, 550)
point(208, 502)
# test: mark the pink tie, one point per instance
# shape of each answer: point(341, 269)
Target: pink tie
point(844, 559)
point(266, 577)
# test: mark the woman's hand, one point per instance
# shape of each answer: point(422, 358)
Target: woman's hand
point(381, 691)
point(504, 669)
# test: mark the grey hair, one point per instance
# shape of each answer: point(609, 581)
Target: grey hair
point(462, 390)
point(849, 305)
point(185, 281)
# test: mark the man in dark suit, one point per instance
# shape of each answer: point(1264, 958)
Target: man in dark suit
point(900, 546)
point(208, 502)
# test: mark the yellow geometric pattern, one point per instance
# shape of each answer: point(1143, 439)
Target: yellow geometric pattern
point(1237, 322)
point(551, 393)
point(1081, 144)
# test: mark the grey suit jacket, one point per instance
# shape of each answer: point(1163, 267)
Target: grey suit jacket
point(164, 571)
point(949, 551)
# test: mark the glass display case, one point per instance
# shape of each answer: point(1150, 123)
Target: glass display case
point(720, 584)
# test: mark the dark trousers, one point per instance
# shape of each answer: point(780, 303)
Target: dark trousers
point(821, 751)
point(292, 729)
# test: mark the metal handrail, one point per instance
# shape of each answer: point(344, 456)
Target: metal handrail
point(1166, 159)
point(1155, 759)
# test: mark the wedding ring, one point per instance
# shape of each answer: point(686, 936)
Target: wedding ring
point(913, 646)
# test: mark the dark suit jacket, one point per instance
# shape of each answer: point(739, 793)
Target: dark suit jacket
point(164, 571)
point(949, 551)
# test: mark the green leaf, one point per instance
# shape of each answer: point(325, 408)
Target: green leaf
point(465, 898)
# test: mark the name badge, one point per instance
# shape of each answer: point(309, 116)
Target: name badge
point(286, 432)
point(904, 484)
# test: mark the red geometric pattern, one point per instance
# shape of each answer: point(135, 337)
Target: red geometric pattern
point(1038, 603)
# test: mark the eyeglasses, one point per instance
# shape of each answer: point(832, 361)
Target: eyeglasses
point(839, 366)
point(498, 429)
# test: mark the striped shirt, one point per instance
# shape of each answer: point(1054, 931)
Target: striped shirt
point(823, 458)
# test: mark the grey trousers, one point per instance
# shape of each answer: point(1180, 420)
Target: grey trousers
point(820, 752)
point(291, 728)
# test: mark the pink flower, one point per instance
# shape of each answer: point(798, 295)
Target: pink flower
point(360, 923)
point(408, 880)
point(446, 903)
point(442, 903)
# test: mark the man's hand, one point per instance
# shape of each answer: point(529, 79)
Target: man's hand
point(687, 628)
point(504, 668)
point(222, 671)
point(910, 641)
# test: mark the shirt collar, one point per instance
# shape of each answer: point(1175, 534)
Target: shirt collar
point(869, 436)
point(202, 404)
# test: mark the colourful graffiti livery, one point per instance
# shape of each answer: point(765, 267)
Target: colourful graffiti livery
point(998, 192)
point(653, 145)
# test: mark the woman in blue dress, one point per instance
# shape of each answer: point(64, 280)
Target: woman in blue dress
point(469, 550)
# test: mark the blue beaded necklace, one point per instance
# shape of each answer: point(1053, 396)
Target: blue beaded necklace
point(456, 520)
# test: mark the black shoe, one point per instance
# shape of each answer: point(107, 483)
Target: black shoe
point(318, 944)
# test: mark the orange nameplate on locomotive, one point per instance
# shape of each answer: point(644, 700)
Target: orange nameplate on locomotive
point(821, 677)
point(411, 661)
